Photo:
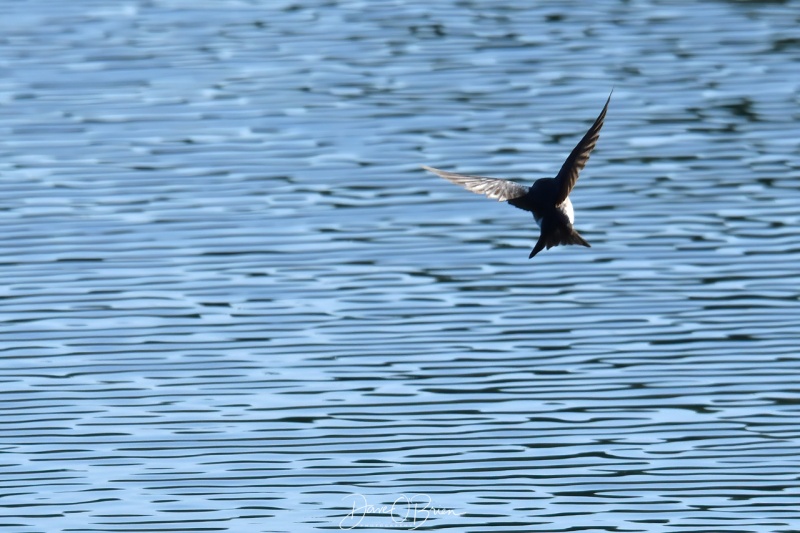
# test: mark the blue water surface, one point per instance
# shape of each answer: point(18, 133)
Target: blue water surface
point(233, 301)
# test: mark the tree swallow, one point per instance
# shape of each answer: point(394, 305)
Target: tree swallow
point(547, 198)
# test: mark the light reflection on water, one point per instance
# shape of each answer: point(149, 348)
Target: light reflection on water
point(234, 302)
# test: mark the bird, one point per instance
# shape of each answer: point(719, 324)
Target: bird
point(548, 198)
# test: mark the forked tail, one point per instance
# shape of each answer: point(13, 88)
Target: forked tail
point(553, 236)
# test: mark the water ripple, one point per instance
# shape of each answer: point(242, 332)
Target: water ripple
point(233, 300)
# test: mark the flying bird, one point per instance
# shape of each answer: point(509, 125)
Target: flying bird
point(547, 198)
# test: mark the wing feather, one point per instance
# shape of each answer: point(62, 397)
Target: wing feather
point(495, 188)
point(568, 175)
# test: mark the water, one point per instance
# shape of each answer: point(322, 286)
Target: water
point(234, 302)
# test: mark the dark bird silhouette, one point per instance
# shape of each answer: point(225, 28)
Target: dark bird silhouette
point(547, 198)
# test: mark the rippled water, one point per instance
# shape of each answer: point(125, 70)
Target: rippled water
point(234, 302)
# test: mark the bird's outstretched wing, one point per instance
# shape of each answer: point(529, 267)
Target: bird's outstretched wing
point(568, 175)
point(498, 189)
